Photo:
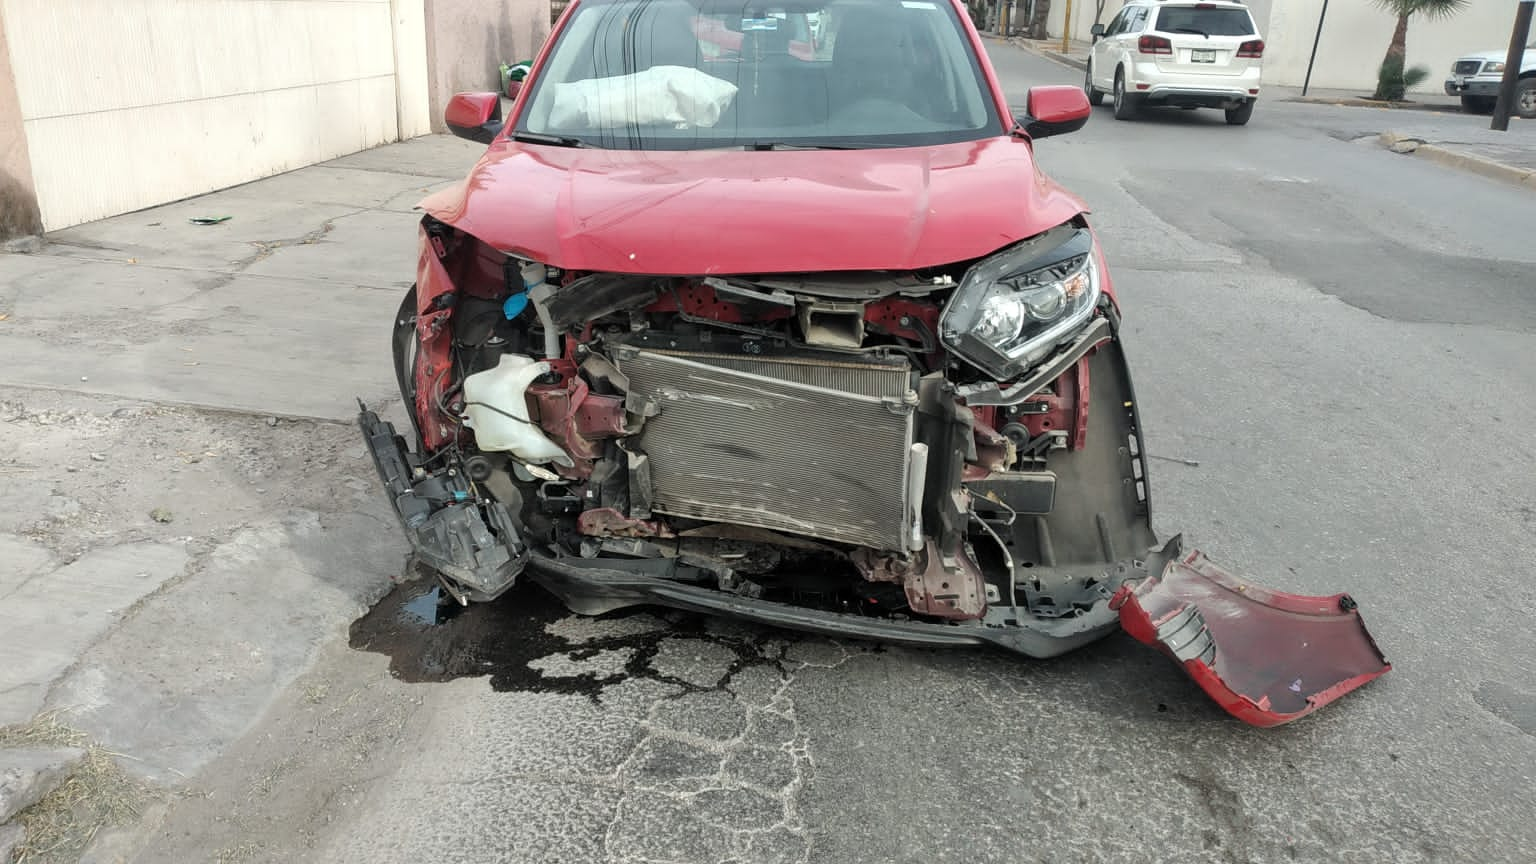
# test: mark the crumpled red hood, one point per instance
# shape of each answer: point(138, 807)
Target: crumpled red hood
point(735, 211)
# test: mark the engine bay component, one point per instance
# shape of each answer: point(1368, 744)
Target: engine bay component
point(836, 325)
point(497, 407)
point(476, 544)
point(815, 449)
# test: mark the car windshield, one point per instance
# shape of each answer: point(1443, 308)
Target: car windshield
point(1211, 21)
point(700, 74)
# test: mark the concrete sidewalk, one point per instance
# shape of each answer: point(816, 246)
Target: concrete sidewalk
point(1506, 156)
point(260, 313)
point(1075, 55)
point(189, 514)
point(1360, 98)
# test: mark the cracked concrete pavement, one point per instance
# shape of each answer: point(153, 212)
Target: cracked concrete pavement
point(189, 515)
point(1329, 340)
point(237, 315)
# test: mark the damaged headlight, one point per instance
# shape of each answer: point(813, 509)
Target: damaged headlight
point(1011, 309)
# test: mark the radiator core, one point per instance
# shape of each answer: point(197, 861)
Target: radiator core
point(789, 444)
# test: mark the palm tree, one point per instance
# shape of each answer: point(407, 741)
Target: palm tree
point(1394, 78)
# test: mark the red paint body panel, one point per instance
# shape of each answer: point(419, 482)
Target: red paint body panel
point(434, 358)
point(1058, 103)
point(742, 212)
point(1276, 657)
point(469, 110)
point(746, 212)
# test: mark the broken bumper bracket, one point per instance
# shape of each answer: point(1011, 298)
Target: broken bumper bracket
point(475, 544)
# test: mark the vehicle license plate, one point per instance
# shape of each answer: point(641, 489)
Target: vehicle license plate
point(1199, 56)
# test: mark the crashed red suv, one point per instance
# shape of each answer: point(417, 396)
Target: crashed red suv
point(808, 340)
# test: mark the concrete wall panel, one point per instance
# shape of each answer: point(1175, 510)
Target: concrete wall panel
point(411, 91)
point(18, 202)
point(90, 166)
point(1356, 34)
point(132, 103)
point(468, 40)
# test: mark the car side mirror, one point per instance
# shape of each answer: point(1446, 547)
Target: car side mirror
point(1096, 31)
point(1055, 110)
point(476, 116)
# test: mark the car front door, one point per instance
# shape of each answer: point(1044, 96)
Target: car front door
point(1103, 58)
point(1134, 22)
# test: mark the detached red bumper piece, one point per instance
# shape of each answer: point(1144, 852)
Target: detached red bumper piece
point(1266, 656)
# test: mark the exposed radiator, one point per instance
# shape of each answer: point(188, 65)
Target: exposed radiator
point(807, 447)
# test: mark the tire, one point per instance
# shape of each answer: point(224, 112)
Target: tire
point(1095, 95)
point(1126, 104)
point(1239, 116)
point(1525, 98)
point(1477, 104)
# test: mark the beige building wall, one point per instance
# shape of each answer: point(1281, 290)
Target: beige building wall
point(137, 102)
point(414, 112)
point(18, 205)
point(1355, 37)
point(468, 40)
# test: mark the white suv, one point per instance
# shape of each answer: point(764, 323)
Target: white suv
point(1476, 79)
point(1184, 54)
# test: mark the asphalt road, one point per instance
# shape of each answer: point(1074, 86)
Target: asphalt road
point(1344, 339)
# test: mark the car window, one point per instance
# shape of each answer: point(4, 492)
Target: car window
point(720, 35)
point(1206, 20)
point(1117, 24)
point(695, 74)
point(1138, 20)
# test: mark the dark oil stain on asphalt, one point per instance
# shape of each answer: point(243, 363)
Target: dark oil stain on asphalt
point(429, 640)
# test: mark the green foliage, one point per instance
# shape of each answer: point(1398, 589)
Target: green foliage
point(1431, 9)
point(1393, 81)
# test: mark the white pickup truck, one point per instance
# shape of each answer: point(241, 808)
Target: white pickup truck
point(1475, 78)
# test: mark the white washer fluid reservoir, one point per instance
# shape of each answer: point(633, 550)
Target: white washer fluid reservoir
point(497, 404)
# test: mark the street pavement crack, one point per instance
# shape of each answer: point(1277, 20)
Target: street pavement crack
point(266, 248)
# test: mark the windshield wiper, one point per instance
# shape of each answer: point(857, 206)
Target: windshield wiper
point(1191, 30)
point(552, 140)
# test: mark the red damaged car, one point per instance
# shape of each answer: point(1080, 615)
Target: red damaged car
point(806, 339)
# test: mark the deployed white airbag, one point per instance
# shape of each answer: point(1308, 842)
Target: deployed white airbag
point(676, 95)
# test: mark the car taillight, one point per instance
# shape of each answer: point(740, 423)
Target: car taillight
point(1154, 45)
point(1254, 48)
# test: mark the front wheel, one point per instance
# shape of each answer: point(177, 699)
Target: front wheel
point(1095, 95)
point(1525, 98)
point(1125, 103)
point(1239, 116)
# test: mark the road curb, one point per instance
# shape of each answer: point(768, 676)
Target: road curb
point(1492, 169)
point(1064, 59)
point(1370, 103)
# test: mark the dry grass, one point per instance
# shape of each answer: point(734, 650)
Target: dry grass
point(97, 795)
